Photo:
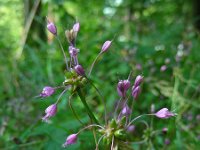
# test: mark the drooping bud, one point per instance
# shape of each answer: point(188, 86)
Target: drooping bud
point(106, 46)
point(136, 91)
point(163, 68)
point(138, 80)
point(164, 113)
point(126, 111)
point(71, 139)
point(122, 87)
point(50, 112)
point(131, 128)
point(47, 91)
point(79, 70)
point(76, 27)
point(52, 28)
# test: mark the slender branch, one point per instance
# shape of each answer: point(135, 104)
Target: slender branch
point(92, 125)
point(103, 99)
point(138, 118)
point(99, 141)
point(91, 115)
point(94, 62)
point(63, 92)
point(62, 51)
point(74, 112)
point(112, 145)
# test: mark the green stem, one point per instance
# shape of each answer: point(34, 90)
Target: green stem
point(91, 115)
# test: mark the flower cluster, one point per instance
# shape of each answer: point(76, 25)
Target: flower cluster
point(121, 123)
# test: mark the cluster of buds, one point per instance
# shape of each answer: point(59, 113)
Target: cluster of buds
point(121, 124)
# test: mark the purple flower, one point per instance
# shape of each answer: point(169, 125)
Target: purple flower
point(164, 113)
point(71, 139)
point(138, 80)
point(167, 141)
point(73, 51)
point(122, 87)
point(126, 111)
point(136, 91)
point(106, 46)
point(52, 28)
point(79, 70)
point(164, 130)
point(131, 128)
point(76, 27)
point(50, 112)
point(138, 66)
point(47, 91)
point(163, 68)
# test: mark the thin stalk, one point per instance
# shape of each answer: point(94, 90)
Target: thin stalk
point(97, 146)
point(74, 112)
point(63, 51)
point(63, 92)
point(92, 66)
point(103, 99)
point(91, 115)
point(112, 145)
point(139, 117)
point(116, 108)
point(92, 125)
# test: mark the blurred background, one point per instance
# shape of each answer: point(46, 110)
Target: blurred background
point(156, 38)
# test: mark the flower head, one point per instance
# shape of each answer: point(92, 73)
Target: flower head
point(131, 128)
point(164, 113)
point(138, 80)
point(79, 70)
point(50, 112)
point(106, 46)
point(163, 68)
point(71, 139)
point(126, 111)
point(76, 27)
point(136, 91)
point(47, 91)
point(73, 51)
point(52, 28)
point(122, 87)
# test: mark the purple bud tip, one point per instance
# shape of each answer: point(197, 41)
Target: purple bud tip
point(126, 111)
point(79, 70)
point(106, 46)
point(122, 87)
point(136, 91)
point(163, 68)
point(164, 130)
point(138, 80)
point(47, 91)
point(167, 142)
point(52, 28)
point(50, 112)
point(164, 113)
point(131, 128)
point(71, 139)
point(76, 27)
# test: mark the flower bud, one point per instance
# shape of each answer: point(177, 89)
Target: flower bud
point(167, 141)
point(138, 80)
point(163, 68)
point(47, 91)
point(50, 112)
point(164, 130)
point(106, 46)
point(131, 128)
point(73, 51)
point(126, 111)
point(164, 113)
point(122, 87)
point(52, 28)
point(79, 70)
point(76, 27)
point(136, 91)
point(71, 139)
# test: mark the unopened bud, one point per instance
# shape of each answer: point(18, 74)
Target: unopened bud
point(71, 139)
point(52, 28)
point(79, 70)
point(106, 46)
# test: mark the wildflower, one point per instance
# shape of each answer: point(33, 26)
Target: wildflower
point(52, 28)
point(122, 87)
point(79, 70)
point(106, 46)
point(136, 91)
point(138, 80)
point(164, 130)
point(131, 128)
point(71, 139)
point(167, 141)
point(76, 27)
point(73, 51)
point(47, 91)
point(164, 113)
point(50, 112)
point(163, 68)
point(126, 111)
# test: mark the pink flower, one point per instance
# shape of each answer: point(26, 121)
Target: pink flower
point(138, 80)
point(164, 113)
point(71, 139)
point(76, 27)
point(79, 70)
point(106, 46)
point(47, 91)
point(122, 87)
point(136, 91)
point(50, 112)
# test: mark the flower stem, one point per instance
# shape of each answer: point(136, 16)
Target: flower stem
point(92, 66)
point(91, 115)
point(138, 118)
